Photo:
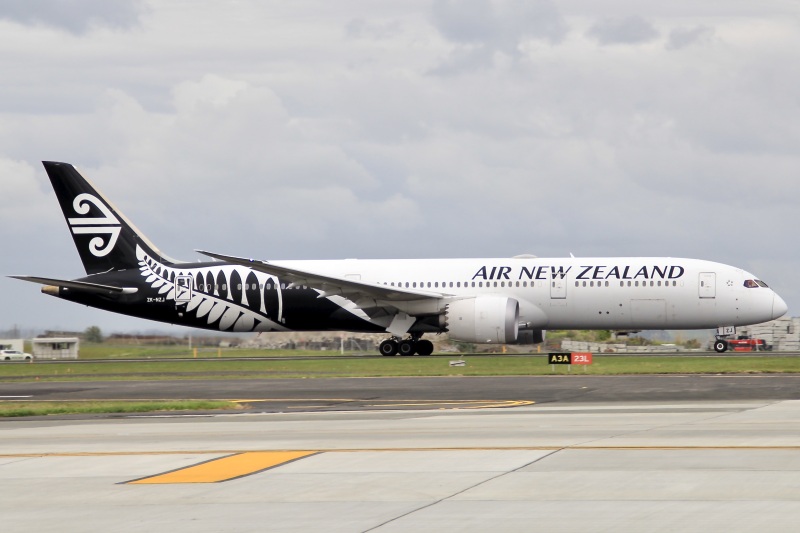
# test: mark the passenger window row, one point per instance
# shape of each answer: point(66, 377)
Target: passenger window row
point(455, 284)
point(653, 283)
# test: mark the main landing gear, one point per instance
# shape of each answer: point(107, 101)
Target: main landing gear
point(410, 346)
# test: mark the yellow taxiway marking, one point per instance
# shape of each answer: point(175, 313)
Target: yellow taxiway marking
point(444, 404)
point(224, 468)
point(578, 447)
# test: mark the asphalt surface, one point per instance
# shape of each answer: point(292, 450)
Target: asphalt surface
point(642, 466)
point(594, 453)
point(337, 394)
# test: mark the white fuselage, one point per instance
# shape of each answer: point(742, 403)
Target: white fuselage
point(582, 293)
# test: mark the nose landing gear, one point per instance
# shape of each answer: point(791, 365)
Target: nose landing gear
point(406, 347)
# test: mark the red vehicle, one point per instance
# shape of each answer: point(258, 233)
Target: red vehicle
point(743, 343)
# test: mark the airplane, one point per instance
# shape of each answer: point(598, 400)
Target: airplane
point(501, 300)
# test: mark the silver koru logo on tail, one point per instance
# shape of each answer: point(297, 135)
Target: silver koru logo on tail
point(106, 228)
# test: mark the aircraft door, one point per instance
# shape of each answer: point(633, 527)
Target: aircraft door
point(558, 288)
point(707, 285)
point(183, 289)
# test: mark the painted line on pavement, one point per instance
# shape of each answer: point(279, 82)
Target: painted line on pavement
point(224, 468)
point(443, 404)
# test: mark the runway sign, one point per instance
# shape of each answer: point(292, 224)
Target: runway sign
point(559, 358)
point(566, 358)
point(581, 358)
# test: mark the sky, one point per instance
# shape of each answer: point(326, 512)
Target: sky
point(417, 129)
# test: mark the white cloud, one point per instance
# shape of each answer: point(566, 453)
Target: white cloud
point(486, 30)
point(76, 16)
point(682, 37)
point(22, 197)
point(627, 30)
point(299, 130)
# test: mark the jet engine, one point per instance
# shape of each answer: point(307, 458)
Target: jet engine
point(484, 319)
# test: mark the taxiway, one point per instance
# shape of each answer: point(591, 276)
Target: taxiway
point(673, 462)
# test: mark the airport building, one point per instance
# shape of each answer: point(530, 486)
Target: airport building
point(568, 345)
point(12, 344)
point(55, 347)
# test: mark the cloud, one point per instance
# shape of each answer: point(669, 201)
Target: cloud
point(360, 28)
point(682, 37)
point(482, 28)
point(74, 16)
point(627, 30)
point(279, 132)
point(21, 202)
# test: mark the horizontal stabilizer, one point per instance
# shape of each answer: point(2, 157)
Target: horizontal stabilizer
point(78, 285)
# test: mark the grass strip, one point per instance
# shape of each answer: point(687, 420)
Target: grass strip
point(133, 351)
point(15, 408)
point(392, 367)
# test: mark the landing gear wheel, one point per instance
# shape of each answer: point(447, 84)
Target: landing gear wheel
point(408, 347)
point(388, 347)
point(424, 347)
point(720, 346)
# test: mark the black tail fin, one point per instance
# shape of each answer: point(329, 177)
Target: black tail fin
point(105, 238)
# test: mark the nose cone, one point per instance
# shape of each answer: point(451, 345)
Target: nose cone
point(779, 307)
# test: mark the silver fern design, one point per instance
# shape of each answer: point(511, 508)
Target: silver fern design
point(233, 297)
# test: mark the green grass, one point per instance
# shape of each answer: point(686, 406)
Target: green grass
point(477, 365)
point(15, 409)
point(133, 351)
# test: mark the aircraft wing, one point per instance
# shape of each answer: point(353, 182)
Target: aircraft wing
point(77, 285)
point(330, 285)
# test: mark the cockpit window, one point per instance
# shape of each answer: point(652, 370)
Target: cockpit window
point(750, 284)
point(761, 283)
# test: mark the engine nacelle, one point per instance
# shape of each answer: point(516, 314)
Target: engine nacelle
point(484, 319)
point(530, 336)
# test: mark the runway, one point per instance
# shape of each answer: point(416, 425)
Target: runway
point(672, 464)
point(337, 394)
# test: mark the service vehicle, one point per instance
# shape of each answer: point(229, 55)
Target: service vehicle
point(15, 355)
point(745, 343)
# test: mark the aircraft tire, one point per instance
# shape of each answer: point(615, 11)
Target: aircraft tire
point(424, 347)
point(720, 346)
point(388, 348)
point(408, 348)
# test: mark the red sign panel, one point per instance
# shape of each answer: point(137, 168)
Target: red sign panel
point(581, 358)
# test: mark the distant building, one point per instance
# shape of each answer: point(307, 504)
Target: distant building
point(61, 334)
point(12, 344)
point(569, 345)
point(121, 338)
point(55, 347)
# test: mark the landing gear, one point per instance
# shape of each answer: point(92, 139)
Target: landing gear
point(720, 345)
point(389, 347)
point(424, 347)
point(410, 346)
